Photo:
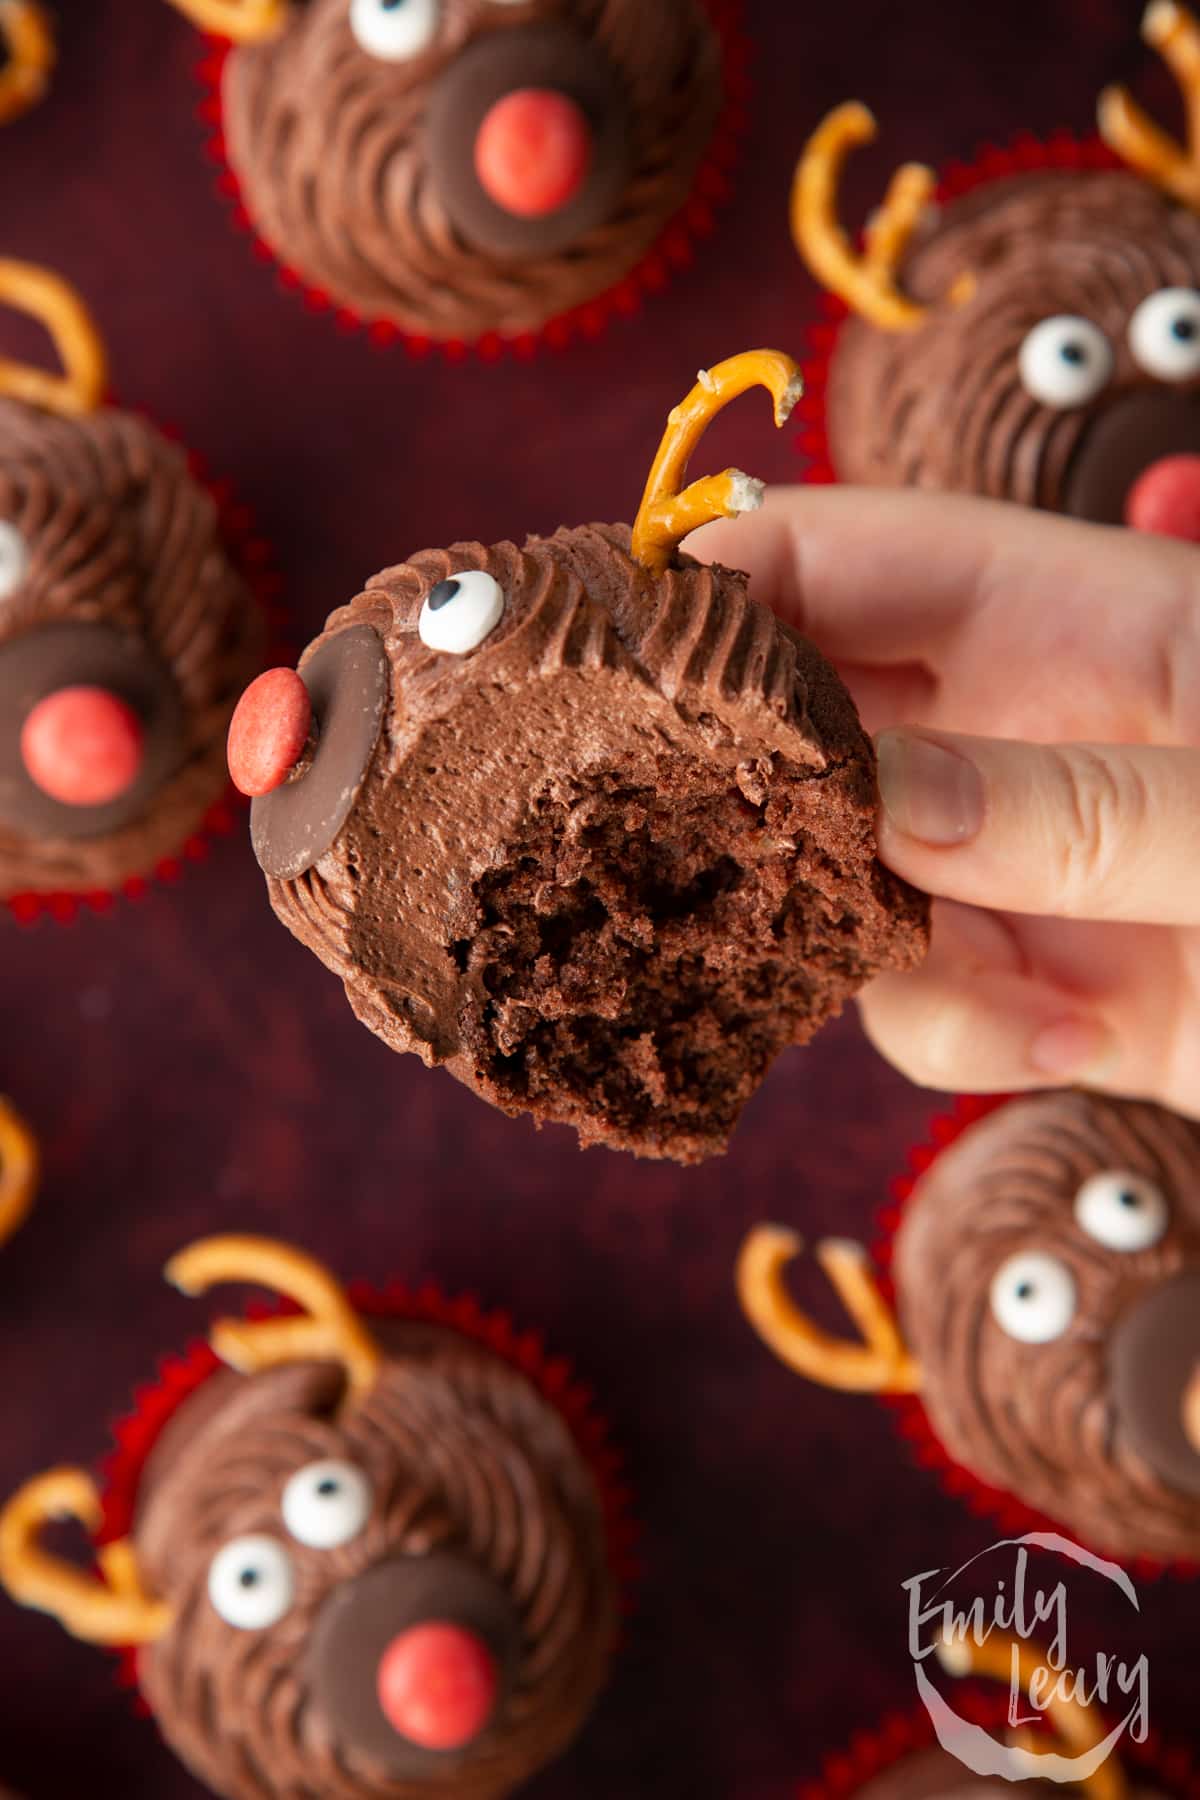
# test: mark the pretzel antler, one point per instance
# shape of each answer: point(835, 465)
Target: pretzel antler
point(1077, 1729)
point(19, 1164)
point(26, 35)
point(241, 21)
point(332, 1331)
point(867, 283)
point(666, 514)
point(59, 308)
point(110, 1609)
point(1174, 33)
point(881, 1364)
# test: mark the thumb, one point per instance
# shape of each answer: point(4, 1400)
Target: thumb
point(1073, 831)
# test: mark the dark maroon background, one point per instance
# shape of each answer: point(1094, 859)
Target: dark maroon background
point(190, 1068)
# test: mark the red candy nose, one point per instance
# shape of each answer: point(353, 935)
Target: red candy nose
point(268, 732)
point(533, 152)
point(438, 1685)
point(1166, 499)
point(82, 746)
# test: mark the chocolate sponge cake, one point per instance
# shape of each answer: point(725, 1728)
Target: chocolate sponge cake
point(581, 820)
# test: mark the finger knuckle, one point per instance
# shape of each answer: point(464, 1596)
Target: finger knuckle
point(1105, 809)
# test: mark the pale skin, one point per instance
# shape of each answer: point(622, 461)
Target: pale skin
point(1034, 688)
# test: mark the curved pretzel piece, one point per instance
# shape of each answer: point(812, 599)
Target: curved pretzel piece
point(667, 515)
point(331, 1332)
point(114, 1609)
point(80, 388)
point(1077, 1729)
point(26, 35)
point(1175, 34)
point(19, 1165)
point(880, 1364)
point(867, 283)
point(241, 21)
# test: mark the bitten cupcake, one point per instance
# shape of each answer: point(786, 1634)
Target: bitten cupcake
point(369, 1558)
point(1047, 1314)
point(1035, 337)
point(27, 56)
point(582, 821)
point(19, 1162)
point(126, 631)
point(462, 169)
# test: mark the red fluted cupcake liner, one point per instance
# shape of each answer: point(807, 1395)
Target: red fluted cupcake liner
point(554, 1377)
point(254, 559)
point(1160, 1763)
point(1010, 1514)
point(1024, 155)
point(675, 249)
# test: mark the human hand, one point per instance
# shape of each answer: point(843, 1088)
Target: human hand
point(1061, 837)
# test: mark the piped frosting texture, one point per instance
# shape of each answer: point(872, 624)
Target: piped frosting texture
point(114, 532)
point(608, 863)
point(944, 406)
point(463, 1459)
point(332, 148)
point(1042, 1420)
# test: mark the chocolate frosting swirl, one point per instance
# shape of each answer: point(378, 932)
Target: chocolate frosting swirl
point(606, 866)
point(331, 147)
point(944, 406)
point(463, 1456)
point(1042, 1420)
point(119, 535)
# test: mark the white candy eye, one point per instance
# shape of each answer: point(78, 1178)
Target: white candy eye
point(1122, 1211)
point(459, 613)
point(1033, 1297)
point(1066, 362)
point(250, 1582)
point(14, 559)
point(1164, 334)
point(394, 30)
point(326, 1504)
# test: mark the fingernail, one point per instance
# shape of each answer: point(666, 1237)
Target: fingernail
point(928, 791)
point(1074, 1048)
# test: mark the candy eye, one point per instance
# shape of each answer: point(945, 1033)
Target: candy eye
point(1066, 362)
point(250, 1582)
point(326, 1504)
point(460, 612)
point(1164, 334)
point(1033, 1297)
point(1122, 1211)
point(394, 30)
point(14, 559)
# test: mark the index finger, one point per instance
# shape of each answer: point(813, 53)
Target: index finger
point(894, 576)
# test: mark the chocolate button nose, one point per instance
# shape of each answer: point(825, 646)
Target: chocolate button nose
point(1154, 1361)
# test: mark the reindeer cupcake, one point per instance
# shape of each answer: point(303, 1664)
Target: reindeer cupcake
point(126, 631)
point(466, 168)
point(582, 821)
point(26, 56)
point(1047, 1285)
point(367, 1558)
point(1037, 337)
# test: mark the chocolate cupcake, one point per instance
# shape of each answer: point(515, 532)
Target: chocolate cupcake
point(1036, 338)
point(19, 1162)
point(1047, 1289)
point(373, 1562)
point(966, 1745)
point(27, 56)
point(126, 632)
point(459, 171)
point(581, 821)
